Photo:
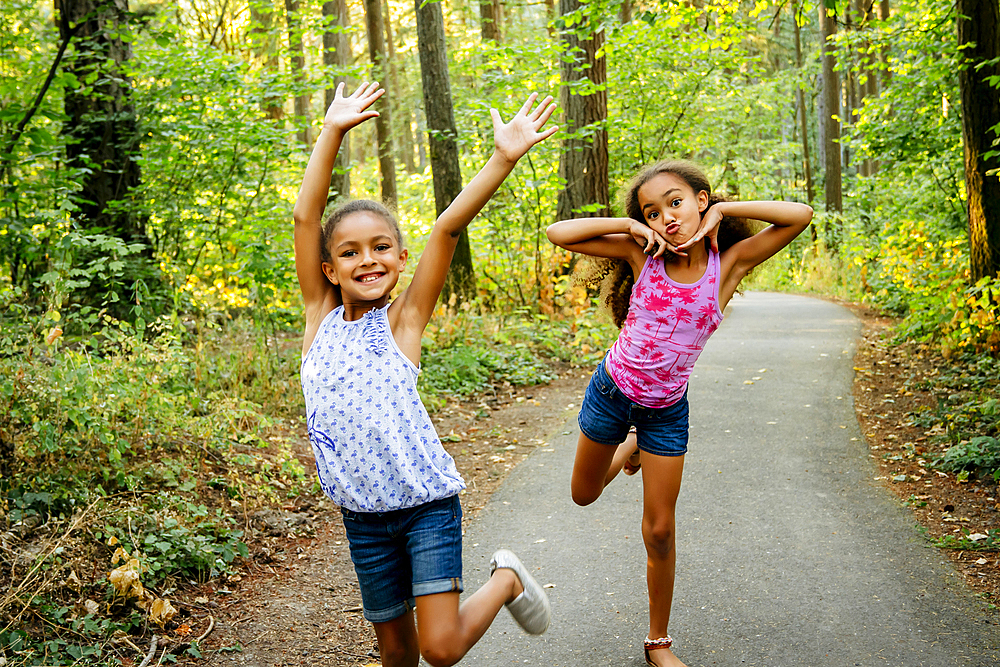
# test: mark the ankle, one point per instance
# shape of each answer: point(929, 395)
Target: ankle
point(508, 579)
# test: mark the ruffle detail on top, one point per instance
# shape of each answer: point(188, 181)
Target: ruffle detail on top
point(373, 330)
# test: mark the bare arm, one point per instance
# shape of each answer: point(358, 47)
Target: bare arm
point(344, 113)
point(512, 140)
point(787, 220)
point(618, 238)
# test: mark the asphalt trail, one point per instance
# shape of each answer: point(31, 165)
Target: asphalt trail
point(790, 553)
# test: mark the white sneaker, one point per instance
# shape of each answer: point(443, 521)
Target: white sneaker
point(531, 608)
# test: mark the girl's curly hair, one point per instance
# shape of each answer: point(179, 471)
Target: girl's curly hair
point(613, 277)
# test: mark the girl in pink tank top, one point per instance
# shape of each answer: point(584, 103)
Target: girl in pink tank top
point(668, 269)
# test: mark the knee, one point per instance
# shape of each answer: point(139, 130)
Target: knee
point(584, 493)
point(584, 497)
point(659, 538)
point(399, 654)
point(441, 654)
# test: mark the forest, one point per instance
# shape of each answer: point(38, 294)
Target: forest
point(151, 152)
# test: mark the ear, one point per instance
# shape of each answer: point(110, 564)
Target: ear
point(330, 273)
point(403, 256)
point(702, 200)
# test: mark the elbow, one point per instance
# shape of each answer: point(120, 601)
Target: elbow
point(554, 233)
point(807, 215)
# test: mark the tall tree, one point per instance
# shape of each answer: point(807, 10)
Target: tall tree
point(297, 63)
point(584, 160)
point(383, 122)
point(979, 38)
point(102, 130)
point(441, 136)
point(800, 102)
point(883, 56)
point(831, 124)
point(489, 20)
point(400, 111)
point(337, 54)
point(264, 45)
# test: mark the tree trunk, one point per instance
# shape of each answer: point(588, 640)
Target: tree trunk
point(584, 160)
point(831, 134)
point(383, 122)
point(297, 64)
point(442, 138)
point(264, 45)
point(625, 12)
point(883, 15)
point(337, 53)
point(489, 20)
point(104, 143)
point(400, 111)
point(800, 100)
point(979, 37)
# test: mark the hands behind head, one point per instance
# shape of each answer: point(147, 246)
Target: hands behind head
point(513, 139)
point(348, 112)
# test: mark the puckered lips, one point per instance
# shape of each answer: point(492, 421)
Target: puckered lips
point(672, 228)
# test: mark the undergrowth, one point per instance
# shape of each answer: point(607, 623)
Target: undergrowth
point(133, 456)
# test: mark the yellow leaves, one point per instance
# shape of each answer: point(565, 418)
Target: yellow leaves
point(125, 579)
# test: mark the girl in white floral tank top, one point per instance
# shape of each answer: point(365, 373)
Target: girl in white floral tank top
point(669, 267)
point(377, 454)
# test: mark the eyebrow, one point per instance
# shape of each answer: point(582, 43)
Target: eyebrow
point(665, 194)
point(374, 239)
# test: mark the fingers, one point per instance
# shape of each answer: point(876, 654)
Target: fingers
point(546, 106)
point(340, 90)
point(548, 133)
point(544, 112)
point(528, 103)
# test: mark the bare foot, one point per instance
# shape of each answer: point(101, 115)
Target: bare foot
point(632, 463)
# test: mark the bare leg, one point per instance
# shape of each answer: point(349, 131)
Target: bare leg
point(590, 469)
point(397, 642)
point(624, 454)
point(661, 483)
point(447, 631)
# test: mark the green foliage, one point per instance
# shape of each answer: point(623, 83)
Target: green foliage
point(963, 542)
point(978, 455)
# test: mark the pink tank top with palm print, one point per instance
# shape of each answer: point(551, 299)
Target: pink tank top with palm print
point(667, 326)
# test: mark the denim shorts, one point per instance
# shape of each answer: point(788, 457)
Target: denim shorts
point(607, 414)
point(405, 553)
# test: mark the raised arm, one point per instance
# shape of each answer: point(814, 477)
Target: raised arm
point(619, 238)
point(344, 113)
point(512, 140)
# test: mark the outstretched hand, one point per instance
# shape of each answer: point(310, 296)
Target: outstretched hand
point(348, 112)
point(513, 139)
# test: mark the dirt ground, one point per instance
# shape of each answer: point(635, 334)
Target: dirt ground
point(298, 598)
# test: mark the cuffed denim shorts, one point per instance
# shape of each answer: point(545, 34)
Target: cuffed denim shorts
point(405, 553)
point(607, 414)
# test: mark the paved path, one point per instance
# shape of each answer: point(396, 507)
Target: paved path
point(789, 554)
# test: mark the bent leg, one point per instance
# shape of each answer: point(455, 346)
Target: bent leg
point(590, 469)
point(397, 642)
point(661, 484)
point(447, 630)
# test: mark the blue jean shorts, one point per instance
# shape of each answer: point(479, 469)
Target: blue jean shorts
point(607, 414)
point(405, 553)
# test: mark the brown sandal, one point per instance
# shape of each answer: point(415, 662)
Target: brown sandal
point(653, 644)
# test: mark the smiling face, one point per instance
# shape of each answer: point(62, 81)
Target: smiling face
point(366, 258)
point(671, 207)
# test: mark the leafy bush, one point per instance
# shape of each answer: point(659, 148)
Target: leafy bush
point(978, 455)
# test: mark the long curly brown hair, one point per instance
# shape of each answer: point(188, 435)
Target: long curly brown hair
point(613, 277)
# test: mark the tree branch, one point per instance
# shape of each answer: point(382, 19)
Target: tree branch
point(8, 152)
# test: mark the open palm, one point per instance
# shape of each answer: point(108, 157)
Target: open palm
point(348, 112)
point(513, 139)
